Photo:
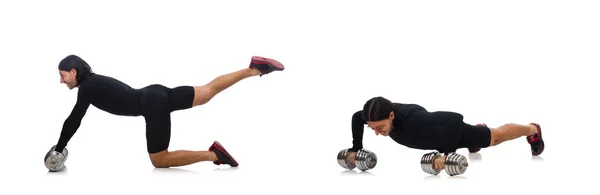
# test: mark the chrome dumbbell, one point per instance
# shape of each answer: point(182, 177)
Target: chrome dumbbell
point(343, 159)
point(427, 163)
point(363, 159)
point(454, 164)
point(54, 160)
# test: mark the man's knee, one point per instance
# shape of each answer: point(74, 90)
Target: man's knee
point(158, 159)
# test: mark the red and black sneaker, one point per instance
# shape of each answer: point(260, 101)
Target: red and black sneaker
point(474, 150)
point(222, 155)
point(265, 65)
point(536, 141)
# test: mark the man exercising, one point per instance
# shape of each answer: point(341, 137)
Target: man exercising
point(154, 102)
point(413, 126)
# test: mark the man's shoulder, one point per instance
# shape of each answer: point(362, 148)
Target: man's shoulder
point(400, 105)
point(403, 104)
point(408, 107)
point(91, 83)
point(94, 79)
point(96, 76)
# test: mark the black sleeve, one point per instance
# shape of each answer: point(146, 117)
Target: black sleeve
point(72, 122)
point(358, 127)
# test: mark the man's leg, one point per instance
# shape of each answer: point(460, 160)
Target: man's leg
point(258, 67)
point(165, 159)
point(512, 131)
point(216, 153)
point(158, 133)
point(476, 149)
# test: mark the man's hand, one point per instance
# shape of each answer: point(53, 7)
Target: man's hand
point(438, 163)
point(351, 156)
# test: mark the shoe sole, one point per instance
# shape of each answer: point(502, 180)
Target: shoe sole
point(273, 62)
point(542, 150)
point(541, 140)
point(223, 150)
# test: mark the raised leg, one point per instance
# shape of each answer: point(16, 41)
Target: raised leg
point(204, 93)
point(258, 67)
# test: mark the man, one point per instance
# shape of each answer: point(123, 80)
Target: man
point(154, 102)
point(413, 126)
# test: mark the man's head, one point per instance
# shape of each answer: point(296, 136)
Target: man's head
point(379, 114)
point(73, 70)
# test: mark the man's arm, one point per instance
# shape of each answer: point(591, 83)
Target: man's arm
point(358, 127)
point(72, 122)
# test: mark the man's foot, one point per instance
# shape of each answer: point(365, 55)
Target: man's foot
point(222, 155)
point(265, 65)
point(474, 150)
point(536, 141)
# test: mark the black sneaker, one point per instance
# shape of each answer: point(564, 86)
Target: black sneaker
point(265, 65)
point(536, 141)
point(222, 155)
point(475, 150)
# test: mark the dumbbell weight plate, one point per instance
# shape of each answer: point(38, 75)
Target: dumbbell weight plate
point(365, 160)
point(455, 164)
point(54, 160)
point(427, 163)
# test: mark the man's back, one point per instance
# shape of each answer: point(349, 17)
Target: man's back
point(111, 95)
point(419, 128)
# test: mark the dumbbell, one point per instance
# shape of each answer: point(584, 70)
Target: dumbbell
point(454, 164)
point(54, 160)
point(363, 159)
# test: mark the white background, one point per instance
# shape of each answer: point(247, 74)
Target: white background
point(494, 62)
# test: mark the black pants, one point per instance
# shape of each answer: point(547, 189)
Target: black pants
point(442, 131)
point(157, 102)
point(465, 136)
point(475, 136)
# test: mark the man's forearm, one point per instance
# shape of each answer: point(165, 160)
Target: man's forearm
point(70, 126)
point(358, 125)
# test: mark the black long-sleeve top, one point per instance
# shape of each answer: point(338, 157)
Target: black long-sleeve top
point(415, 127)
point(105, 93)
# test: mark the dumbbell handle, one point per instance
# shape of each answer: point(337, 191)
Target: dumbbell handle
point(362, 159)
point(351, 157)
point(453, 163)
point(443, 159)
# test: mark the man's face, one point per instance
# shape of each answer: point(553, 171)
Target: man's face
point(68, 78)
point(382, 127)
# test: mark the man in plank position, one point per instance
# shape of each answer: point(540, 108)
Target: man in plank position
point(413, 126)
